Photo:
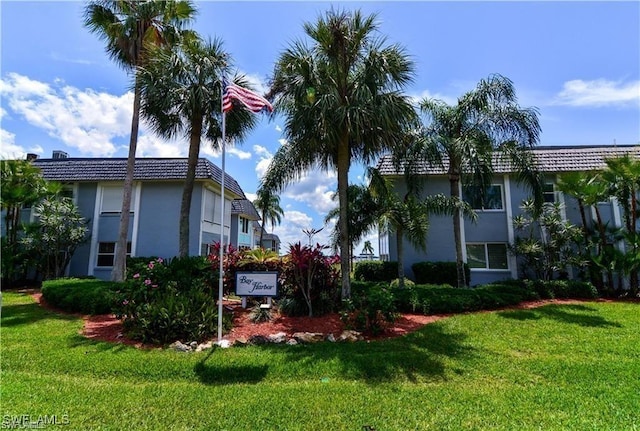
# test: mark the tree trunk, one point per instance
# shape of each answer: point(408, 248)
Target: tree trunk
point(264, 212)
point(603, 246)
point(187, 192)
point(454, 181)
point(120, 259)
point(400, 246)
point(343, 183)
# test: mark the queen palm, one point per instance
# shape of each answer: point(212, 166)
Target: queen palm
point(181, 92)
point(130, 28)
point(486, 121)
point(268, 204)
point(341, 101)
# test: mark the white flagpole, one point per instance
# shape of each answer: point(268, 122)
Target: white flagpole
point(221, 276)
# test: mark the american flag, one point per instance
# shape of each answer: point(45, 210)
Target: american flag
point(251, 100)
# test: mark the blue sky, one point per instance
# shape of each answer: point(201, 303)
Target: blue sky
point(577, 62)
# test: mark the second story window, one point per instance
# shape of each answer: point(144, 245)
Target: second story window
point(491, 199)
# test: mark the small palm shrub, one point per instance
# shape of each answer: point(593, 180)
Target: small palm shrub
point(370, 309)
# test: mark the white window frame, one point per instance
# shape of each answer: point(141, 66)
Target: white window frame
point(486, 256)
point(244, 225)
point(113, 255)
point(115, 193)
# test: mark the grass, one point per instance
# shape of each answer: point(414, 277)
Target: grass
point(569, 367)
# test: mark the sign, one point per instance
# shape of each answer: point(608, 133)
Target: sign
point(258, 283)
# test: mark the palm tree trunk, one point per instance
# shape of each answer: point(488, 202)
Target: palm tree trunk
point(343, 183)
point(187, 192)
point(264, 212)
point(400, 247)
point(120, 259)
point(454, 182)
point(603, 245)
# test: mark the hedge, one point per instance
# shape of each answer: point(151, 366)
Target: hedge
point(438, 273)
point(375, 271)
point(76, 295)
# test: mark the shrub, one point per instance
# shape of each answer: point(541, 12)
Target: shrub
point(564, 289)
point(395, 282)
point(438, 273)
point(261, 314)
point(87, 296)
point(164, 302)
point(311, 278)
point(171, 315)
point(375, 271)
point(371, 308)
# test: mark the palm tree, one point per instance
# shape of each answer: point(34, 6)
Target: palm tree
point(623, 177)
point(485, 122)
point(181, 95)
point(130, 28)
point(341, 100)
point(367, 249)
point(268, 204)
point(408, 215)
point(362, 210)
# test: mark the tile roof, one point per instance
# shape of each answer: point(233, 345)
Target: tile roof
point(549, 159)
point(110, 169)
point(244, 207)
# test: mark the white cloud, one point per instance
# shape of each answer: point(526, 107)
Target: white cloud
point(278, 128)
point(291, 230)
point(426, 94)
point(86, 120)
point(599, 92)
point(265, 158)
point(257, 83)
point(242, 155)
point(152, 146)
point(316, 189)
point(10, 150)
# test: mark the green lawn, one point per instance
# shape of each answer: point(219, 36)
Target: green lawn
point(569, 367)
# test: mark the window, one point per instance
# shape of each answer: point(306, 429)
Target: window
point(112, 199)
point(491, 199)
point(245, 225)
point(549, 193)
point(487, 256)
point(107, 253)
point(209, 205)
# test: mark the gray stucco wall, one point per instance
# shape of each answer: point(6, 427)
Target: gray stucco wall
point(85, 200)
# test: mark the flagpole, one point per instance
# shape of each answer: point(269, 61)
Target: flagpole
point(221, 269)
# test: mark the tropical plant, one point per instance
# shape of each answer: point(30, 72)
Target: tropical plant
point(408, 215)
point(268, 203)
point(367, 248)
point(259, 259)
point(362, 210)
point(547, 242)
point(130, 28)
point(181, 90)
point(341, 101)
point(465, 137)
point(54, 237)
point(309, 276)
point(623, 178)
point(22, 187)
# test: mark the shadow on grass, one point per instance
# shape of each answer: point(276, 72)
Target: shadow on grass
point(78, 340)
point(24, 314)
point(216, 374)
point(418, 357)
point(575, 314)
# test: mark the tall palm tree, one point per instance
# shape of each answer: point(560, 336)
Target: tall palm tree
point(408, 214)
point(484, 122)
point(341, 100)
point(268, 204)
point(367, 248)
point(623, 178)
point(129, 28)
point(362, 211)
point(181, 92)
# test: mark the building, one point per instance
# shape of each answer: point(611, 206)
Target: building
point(485, 242)
point(96, 185)
point(243, 215)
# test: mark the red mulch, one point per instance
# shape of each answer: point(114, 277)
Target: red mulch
point(107, 328)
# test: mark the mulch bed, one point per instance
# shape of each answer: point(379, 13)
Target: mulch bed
point(108, 328)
